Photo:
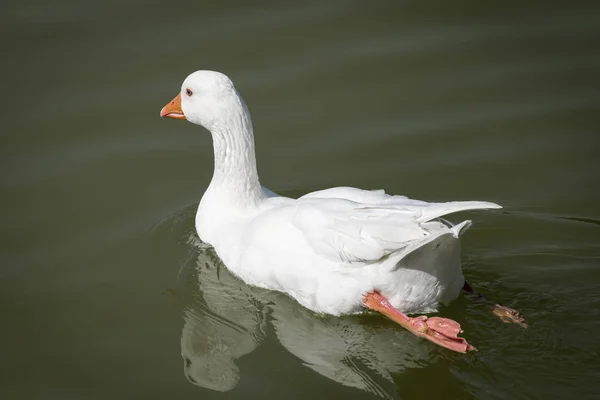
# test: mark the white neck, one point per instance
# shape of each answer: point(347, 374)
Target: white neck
point(235, 179)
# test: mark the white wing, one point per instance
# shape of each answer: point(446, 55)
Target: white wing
point(357, 226)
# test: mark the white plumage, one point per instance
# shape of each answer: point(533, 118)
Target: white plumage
point(328, 248)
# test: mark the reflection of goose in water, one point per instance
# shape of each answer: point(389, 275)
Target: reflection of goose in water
point(346, 350)
point(225, 325)
point(229, 323)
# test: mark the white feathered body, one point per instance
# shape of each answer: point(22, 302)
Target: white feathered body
point(329, 248)
point(326, 249)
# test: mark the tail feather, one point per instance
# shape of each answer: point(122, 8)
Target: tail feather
point(417, 244)
point(459, 229)
point(440, 209)
point(452, 233)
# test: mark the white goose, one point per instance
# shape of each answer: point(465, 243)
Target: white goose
point(335, 251)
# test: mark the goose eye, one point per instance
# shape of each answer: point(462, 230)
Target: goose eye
point(188, 92)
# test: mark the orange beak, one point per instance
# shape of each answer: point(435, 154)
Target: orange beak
point(173, 109)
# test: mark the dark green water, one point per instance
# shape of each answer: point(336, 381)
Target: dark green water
point(103, 291)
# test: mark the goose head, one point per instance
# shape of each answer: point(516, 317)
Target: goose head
point(207, 98)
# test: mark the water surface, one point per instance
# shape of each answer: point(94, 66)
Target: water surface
point(105, 290)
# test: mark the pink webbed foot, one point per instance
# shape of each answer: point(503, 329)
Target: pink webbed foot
point(506, 314)
point(509, 315)
point(441, 331)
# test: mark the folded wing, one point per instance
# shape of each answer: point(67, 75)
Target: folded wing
point(356, 226)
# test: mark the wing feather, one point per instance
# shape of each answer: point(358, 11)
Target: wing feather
point(352, 226)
